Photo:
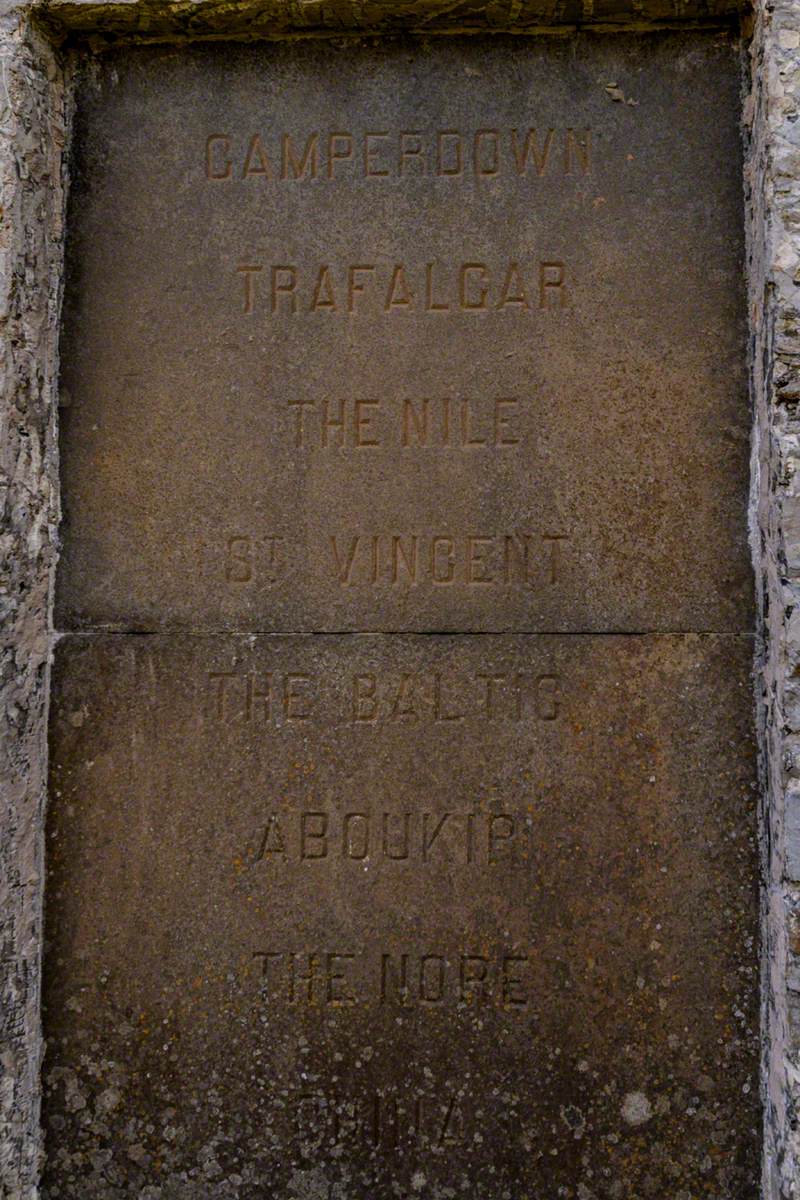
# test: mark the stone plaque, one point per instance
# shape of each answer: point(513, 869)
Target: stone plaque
point(387, 368)
point(436, 916)
point(427, 337)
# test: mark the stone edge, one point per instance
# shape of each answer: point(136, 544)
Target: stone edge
point(772, 196)
point(32, 138)
point(176, 19)
point(34, 118)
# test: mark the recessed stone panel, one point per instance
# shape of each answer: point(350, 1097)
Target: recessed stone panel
point(357, 916)
point(407, 336)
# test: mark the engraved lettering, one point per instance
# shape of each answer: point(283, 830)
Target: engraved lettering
point(272, 841)
point(411, 147)
point(364, 704)
point(354, 286)
point(371, 152)
point(362, 423)
point(416, 418)
point(553, 541)
point(256, 161)
point(393, 852)
point(399, 294)
point(432, 305)
point(487, 152)
point(448, 153)
point(218, 162)
point(473, 969)
point(323, 297)
point(340, 149)
point(328, 156)
point(405, 554)
point(313, 835)
point(355, 839)
point(289, 160)
point(267, 697)
point(513, 290)
point(513, 987)
point(443, 560)
point(467, 287)
point(284, 283)
point(239, 560)
point(578, 148)
point(516, 288)
point(247, 271)
point(344, 565)
point(333, 425)
point(294, 696)
point(551, 285)
point(530, 148)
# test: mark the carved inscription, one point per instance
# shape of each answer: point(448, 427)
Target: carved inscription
point(501, 839)
point(391, 1120)
point(406, 856)
point(480, 560)
point(471, 286)
point(397, 979)
point(518, 560)
point(377, 698)
point(436, 423)
point(383, 154)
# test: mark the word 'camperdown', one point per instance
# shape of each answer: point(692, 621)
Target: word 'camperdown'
point(382, 154)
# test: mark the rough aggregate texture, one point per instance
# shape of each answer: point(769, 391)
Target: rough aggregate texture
point(771, 177)
point(31, 140)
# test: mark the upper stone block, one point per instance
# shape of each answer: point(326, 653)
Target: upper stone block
point(360, 338)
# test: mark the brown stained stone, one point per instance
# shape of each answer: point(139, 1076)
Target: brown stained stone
point(175, 19)
point(613, 779)
point(623, 471)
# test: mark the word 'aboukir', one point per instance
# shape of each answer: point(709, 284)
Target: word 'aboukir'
point(448, 154)
point(471, 287)
point(466, 838)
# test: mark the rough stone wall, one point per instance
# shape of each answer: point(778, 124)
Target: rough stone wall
point(772, 185)
point(31, 140)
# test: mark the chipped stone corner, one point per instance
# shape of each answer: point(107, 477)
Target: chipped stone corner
point(32, 137)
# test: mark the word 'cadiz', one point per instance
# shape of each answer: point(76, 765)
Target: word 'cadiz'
point(448, 154)
point(474, 287)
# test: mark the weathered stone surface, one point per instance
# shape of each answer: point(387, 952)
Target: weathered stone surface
point(575, 332)
point(32, 122)
point(597, 867)
point(176, 19)
point(772, 182)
